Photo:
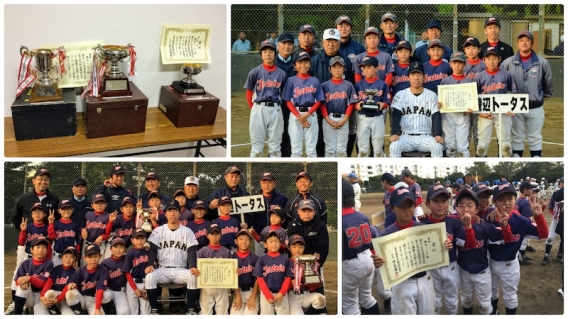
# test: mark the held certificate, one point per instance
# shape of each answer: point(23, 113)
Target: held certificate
point(458, 97)
point(410, 251)
point(217, 273)
point(185, 43)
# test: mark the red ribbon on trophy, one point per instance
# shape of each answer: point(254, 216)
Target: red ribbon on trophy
point(26, 73)
point(132, 63)
point(93, 82)
point(61, 56)
point(298, 274)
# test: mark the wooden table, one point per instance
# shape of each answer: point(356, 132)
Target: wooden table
point(159, 131)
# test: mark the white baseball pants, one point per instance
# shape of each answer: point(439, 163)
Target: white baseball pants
point(454, 125)
point(414, 296)
point(371, 128)
point(410, 143)
point(552, 230)
point(485, 130)
point(282, 308)
point(335, 139)
point(170, 275)
point(446, 284)
point(298, 134)
point(303, 301)
point(507, 274)
point(120, 301)
point(137, 305)
point(266, 122)
point(528, 126)
point(40, 309)
point(218, 298)
point(244, 310)
point(481, 284)
point(74, 297)
point(357, 284)
point(383, 293)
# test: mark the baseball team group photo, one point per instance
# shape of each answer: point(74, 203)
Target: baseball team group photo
point(149, 238)
point(397, 80)
point(494, 233)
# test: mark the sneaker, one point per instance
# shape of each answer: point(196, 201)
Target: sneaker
point(545, 260)
point(560, 258)
point(191, 312)
point(531, 249)
point(561, 292)
point(525, 261)
point(10, 309)
point(154, 312)
point(527, 258)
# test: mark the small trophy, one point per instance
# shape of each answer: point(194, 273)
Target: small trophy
point(370, 102)
point(187, 85)
point(144, 215)
point(45, 88)
point(311, 275)
point(115, 83)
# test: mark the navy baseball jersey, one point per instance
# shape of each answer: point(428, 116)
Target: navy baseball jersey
point(415, 188)
point(454, 231)
point(375, 232)
point(434, 73)
point(302, 91)
point(417, 111)
point(338, 95)
point(383, 94)
point(391, 219)
point(453, 79)
point(421, 54)
point(88, 282)
point(483, 215)
point(122, 228)
point(116, 277)
point(185, 217)
point(386, 201)
point(282, 234)
point(162, 220)
point(385, 63)
point(211, 251)
point(60, 277)
point(95, 223)
point(199, 229)
point(32, 232)
point(522, 206)
point(474, 260)
point(356, 233)
point(229, 228)
point(266, 84)
point(521, 227)
point(64, 233)
point(135, 261)
point(274, 268)
point(38, 270)
point(472, 68)
point(395, 227)
point(400, 79)
point(246, 263)
point(497, 82)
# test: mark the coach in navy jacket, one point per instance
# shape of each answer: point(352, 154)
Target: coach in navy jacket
point(231, 189)
point(260, 220)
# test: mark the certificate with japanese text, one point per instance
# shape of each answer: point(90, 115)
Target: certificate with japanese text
point(458, 97)
point(185, 43)
point(410, 251)
point(217, 273)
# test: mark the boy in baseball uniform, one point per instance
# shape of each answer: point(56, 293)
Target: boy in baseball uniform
point(32, 275)
point(199, 224)
point(64, 232)
point(228, 225)
point(371, 124)
point(135, 268)
point(494, 81)
point(157, 215)
point(122, 226)
point(52, 300)
point(303, 96)
point(94, 225)
point(116, 279)
point(186, 215)
point(436, 69)
point(385, 66)
point(473, 66)
point(214, 298)
point(301, 296)
point(273, 273)
point(277, 218)
point(263, 89)
point(246, 297)
point(455, 124)
point(340, 96)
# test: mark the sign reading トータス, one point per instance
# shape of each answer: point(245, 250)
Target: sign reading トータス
point(410, 251)
point(248, 204)
point(185, 43)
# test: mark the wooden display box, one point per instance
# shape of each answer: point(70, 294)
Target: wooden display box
point(188, 109)
point(44, 119)
point(115, 116)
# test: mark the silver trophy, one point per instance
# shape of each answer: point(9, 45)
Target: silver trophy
point(370, 102)
point(311, 277)
point(187, 85)
point(144, 214)
point(115, 83)
point(45, 88)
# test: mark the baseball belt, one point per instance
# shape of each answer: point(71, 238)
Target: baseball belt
point(173, 267)
point(418, 275)
point(379, 113)
point(117, 288)
point(245, 288)
point(270, 104)
point(416, 134)
point(303, 108)
point(139, 280)
point(336, 114)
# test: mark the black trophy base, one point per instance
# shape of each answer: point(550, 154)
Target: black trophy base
point(185, 89)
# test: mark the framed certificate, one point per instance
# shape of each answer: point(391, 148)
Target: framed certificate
point(185, 43)
point(217, 273)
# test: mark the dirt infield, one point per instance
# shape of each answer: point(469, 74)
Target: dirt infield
point(538, 285)
point(330, 274)
point(552, 133)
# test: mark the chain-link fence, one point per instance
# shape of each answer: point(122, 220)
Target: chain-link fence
point(458, 21)
point(18, 178)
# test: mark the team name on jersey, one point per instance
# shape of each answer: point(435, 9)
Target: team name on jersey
point(172, 244)
point(61, 280)
point(115, 273)
point(266, 270)
point(88, 285)
point(416, 110)
point(493, 87)
point(31, 237)
point(123, 232)
point(64, 233)
point(138, 260)
point(183, 222)
point(246, 269)
point(399, 79)
point(261, 84)
point(363, 96)
point(305, 90)
point(95, 225)
point(201, 232)
point(335, 96)
point(478, 244)
point(434, 77)
point(471, 75)
point(229, 230)
point(516, 238)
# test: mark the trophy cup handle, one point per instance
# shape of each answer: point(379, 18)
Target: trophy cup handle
point(98, 49)
point(23, 49)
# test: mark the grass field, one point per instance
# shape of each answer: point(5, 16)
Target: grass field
point(552, 133)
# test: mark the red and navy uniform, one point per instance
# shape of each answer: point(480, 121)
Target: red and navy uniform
point(421, 54)
point(276, 228)
point(23, 206)
point(340, 95)
point(38, 271)
point(33, 231)
point(483, 215)
point(473, 256)
point(454, 231)
point(59, 278)
point(246, 263)
point(434, 73)
point(523, 207)
point(302, 91)
point(185, 217)
point(396, 227)
point(521, 227)
point(385, 68)
point(90, 282)
point(400, 79)
point(199, 229)
point(211, 251)
point(454, 79)
point(116, 277)
point(229, 227)
point(383, 94)
point(144, 197)
point(264, 84)
point(273, 272)
point(190, 201)
point(64, 233)
point(472, 68)
point(218, 194)
point(315, 235)
point(415, 187)
point(389, 45)
point(122, 227)
point(161, 219)
point(386, 202)
point(114, 197)
point(96, 224)
point(262, 219)
point(135, 261)
point(357, 233)
point(495, 82)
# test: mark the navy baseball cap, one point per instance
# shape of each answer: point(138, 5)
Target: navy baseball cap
point(403, 44)
point(436, 190)
point(179, 192)
point(457, 56)
point(294, 239)
point(456, 185)
point(434, 23)
point(199, 204)
point(212, 228)
point(503, 189)
point(267, 44)
point(303, 174)
point(388, 16)
point(416, 67)
point(152, 175)
point(301, 55)
point(92, 249)
point(388, 177)
point(65, 203)
point(267, 176)
point(525, 33)
point(435, 43)
point(482, 188)
point(400, 195)
point(115, 170)
point(307, 28)
point(369, 60)
point(154, 193)
point(336, 59)
point(490, 50)
point(347, 191)
point(525, 185)
point(307, 204)
point(225, 199)
point(372, 30)
point(39, 240)
point(342, 19)
point(405, 172)
point(285, 37)
point(232, 169)
point(79, 181)
point(99, 198)
point(492, 20)
point(278, 211)
point(173, 204)
point(126, 200)
point(117, 240)
point(42, 171)
point(473, 41)
point(139, 232)
point(467, 192)
point(71, 250)
point(271, 233)
point(244, 232)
